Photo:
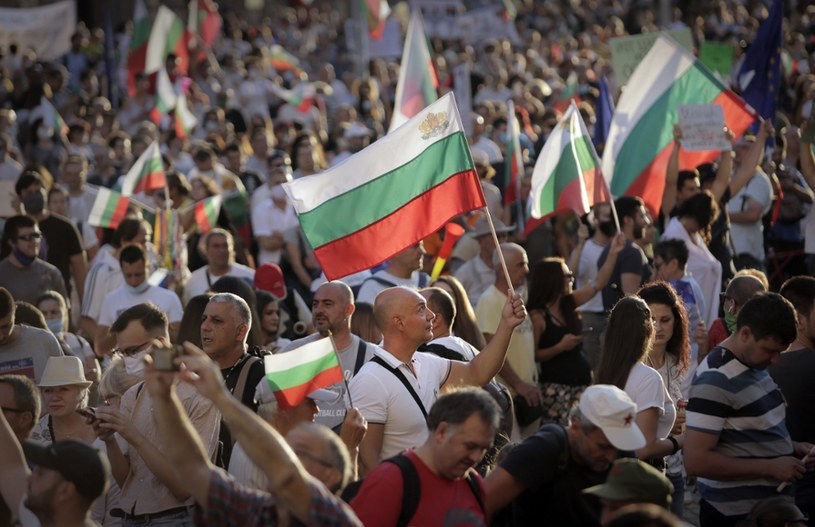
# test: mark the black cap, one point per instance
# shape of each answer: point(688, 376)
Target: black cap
point(84, 466)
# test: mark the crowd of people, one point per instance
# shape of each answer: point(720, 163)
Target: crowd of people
point(627, 367)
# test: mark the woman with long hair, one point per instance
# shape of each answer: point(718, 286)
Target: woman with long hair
point(670, 356)
point(558, 330)
point(465, 325)
point(629, 338)
point(270, 322)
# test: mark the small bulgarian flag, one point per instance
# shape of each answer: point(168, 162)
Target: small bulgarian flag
point(514, 161)
point(183, 119)
point(166, 96)
point(50, 116)
point(292, 376)
point(282, 60)
point(302, 96)
point(206, 213)
point(109, 209)
point(147, 173)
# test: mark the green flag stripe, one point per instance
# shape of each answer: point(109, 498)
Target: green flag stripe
point(566, 171)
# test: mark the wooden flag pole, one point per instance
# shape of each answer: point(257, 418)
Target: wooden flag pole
point(500, 254)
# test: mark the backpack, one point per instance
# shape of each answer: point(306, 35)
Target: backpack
point(412, 489)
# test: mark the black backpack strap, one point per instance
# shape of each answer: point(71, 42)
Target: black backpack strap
point(411, 487)
point(401, 376)
point(361, 349)
point(472, 482)
point(240, 385)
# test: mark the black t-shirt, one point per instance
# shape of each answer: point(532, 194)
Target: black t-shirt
point(630, 260)
point(63, 242)
point(553, 482)
point(231, 375)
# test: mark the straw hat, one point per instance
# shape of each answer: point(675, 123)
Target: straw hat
point(64, 371)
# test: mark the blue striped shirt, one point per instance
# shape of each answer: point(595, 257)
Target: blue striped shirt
point(745, 408)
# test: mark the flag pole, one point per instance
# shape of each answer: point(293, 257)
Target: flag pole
point(344, 380)
point(498, 248)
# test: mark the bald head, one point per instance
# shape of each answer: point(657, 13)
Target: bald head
point(331, 309)
point(404, 319)
point(338, 290)
point(744, 287)
point(390, 302)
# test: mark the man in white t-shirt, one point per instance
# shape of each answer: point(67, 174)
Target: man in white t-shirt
point(219, 249)
point(404, 269)
point(395, 389)
point(746, 209)
point(477, 274)
point(135, 290)
point(273, 217)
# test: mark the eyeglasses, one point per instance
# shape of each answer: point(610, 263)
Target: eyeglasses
point(132, 350)
point(31, 236)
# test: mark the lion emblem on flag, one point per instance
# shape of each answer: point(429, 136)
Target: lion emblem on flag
point(433, 124)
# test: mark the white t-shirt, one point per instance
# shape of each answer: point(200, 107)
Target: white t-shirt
point(119, 300)
point(749, 237)
point(268, 218)
point(587, 274)
point(202, 279)
point(383, 399)
point(646, 388)
point(104, 277)
point(372, 287)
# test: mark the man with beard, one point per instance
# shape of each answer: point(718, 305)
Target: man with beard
point(23, 272)
point(394, 389)
point(404, 269)
point(68, 476)
point(220, 252)
point(331, 311)
point(632, 269)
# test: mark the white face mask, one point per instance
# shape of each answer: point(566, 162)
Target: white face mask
point(134, 364)
point(277, 193)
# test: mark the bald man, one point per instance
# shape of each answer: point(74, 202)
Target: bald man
point(331, 312)
point(397, 387)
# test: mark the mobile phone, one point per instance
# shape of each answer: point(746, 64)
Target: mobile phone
point(164, 358)
point(88, 413)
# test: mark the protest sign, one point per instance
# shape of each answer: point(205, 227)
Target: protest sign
point(47, 29)
point(702, 127)
point(627, 52)
point(717, 56)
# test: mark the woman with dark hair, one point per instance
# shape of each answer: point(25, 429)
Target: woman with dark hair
point(270, 322)
point(692, 225)
point(465, 325)
point(558, 331)
point(670, 356)
point(189, 330)
point(363, 324)
point(629, 338)
point(307, 156)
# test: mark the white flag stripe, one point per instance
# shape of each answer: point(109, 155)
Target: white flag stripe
point(387, 154)
point(298, 356)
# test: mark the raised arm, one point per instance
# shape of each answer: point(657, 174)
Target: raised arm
point(747, 166)
point(587, 292)
point(489, 362)
point(672, 174)
point(722, 180)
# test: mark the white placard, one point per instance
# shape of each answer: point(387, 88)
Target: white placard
point(702, 127)
point(47, 29)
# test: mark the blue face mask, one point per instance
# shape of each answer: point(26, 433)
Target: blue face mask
point(56, 325)
point(23, 258)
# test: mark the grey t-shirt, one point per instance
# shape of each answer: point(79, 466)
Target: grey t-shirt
point(332, 414)
point(28, 352)
point(28, 283)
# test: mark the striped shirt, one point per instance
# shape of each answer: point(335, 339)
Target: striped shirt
point(745, 408)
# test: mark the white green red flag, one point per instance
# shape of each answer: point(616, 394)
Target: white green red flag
point(640, 137)
point(390, 195)
point(50, 116)
point(303, 96)
point(203, 25)
point(109, 209)
point(281, 60)
point(137, 52)
point(375, 12)
point(418, 84)
point(147, 173)
point(206, 213)
point(567, 173)
point(168, 35)
point(166, 96)
point(514, 162)
point(183, 119)
point(292, 376)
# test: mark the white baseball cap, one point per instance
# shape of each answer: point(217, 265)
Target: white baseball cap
point(612, 411)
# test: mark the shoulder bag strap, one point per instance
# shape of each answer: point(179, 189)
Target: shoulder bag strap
point(240, 385)
point(361, 349)
point(401, 376)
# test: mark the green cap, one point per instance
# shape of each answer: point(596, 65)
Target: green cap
point(632, 480)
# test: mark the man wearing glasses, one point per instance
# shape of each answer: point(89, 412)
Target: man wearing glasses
point(22, 272)
point(152, 492)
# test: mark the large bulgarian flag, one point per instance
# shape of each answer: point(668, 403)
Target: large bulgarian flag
point(567, 174)
point(183, 119)
point(137, 52)
point(109, 209)
point(390, 195)
point(641, 134)
point(168, 35)
point(292, 376)
point(418, 84)
point(147, 173)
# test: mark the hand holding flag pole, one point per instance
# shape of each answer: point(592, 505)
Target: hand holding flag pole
point(804, 460)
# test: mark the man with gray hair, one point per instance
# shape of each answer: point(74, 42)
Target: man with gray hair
point(219, 249)
point(224, 329)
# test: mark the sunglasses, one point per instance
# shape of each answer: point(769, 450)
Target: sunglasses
point(31, 236)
